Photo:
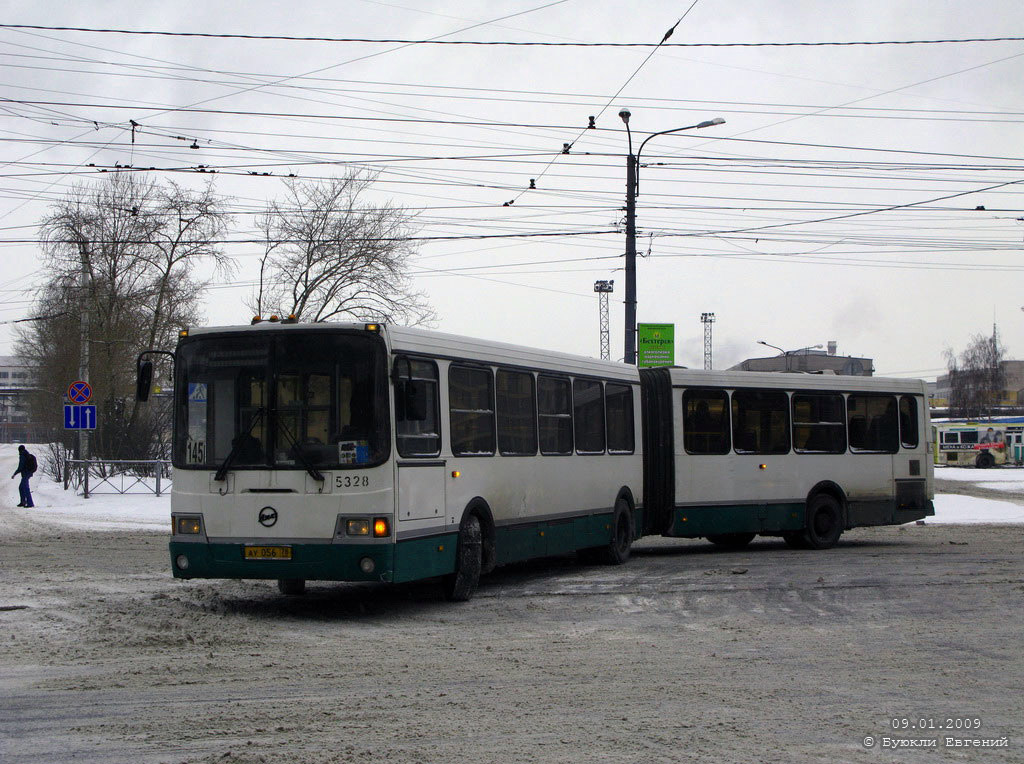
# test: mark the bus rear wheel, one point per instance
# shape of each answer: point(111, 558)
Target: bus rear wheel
point(985, 460)
point(824, 522)
point(731, 540)
point(460, 585)
point(292, 587)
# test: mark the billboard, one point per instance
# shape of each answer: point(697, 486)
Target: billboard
point(655, 345)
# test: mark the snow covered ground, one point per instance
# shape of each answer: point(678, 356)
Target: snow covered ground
point(149, 512)
point(99, 512)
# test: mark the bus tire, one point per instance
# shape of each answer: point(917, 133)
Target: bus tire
point(824, 522)
point(618, 548)
point(292, 587)
point(731, 540)
point(460, 585)
point(985, 460)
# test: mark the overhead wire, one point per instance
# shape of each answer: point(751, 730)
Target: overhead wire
point(521, 43)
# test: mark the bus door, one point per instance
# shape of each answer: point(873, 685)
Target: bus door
point(420, 477)
point(1015, 446)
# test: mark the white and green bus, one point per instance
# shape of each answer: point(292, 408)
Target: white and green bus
point(370, 453)
point(978, 444)
point(364, 452)
point(732, 455)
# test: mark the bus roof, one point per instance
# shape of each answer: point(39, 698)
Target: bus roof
point(457, 347)
point(451, 347)
point(781, 380)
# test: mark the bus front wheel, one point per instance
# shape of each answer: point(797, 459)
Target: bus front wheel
point(824, 522)
point(618, 548)
point(460, 585)
point(985, 460)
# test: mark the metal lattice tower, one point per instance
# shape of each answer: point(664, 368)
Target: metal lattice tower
point(603, 289)
point(707, 319)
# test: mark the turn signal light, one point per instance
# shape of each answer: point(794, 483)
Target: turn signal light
point(380, 527)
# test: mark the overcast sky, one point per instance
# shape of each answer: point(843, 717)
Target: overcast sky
point(840, 201)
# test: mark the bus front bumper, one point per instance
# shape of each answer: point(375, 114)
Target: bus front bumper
point(312, 562)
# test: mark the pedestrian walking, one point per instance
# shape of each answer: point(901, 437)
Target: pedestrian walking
point(26, 468)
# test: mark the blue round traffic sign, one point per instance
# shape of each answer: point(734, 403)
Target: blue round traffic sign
point(79, 392)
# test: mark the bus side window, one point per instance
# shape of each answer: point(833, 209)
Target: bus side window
point(471, 410)
point(554, 412)
point(760, 421)
point(517, 409)
point(619, 405)
point(818, 423)
point(705, 421)
point(588, 415)
point(417, 420)
point(873, 423)
point(908, 422)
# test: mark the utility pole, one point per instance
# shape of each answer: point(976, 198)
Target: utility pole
point(83, 361)
point(632, 189)
point(707, 319)
point(630, 301)
point(603, 289)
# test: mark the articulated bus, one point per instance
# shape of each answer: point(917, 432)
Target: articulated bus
point(978, 444)
point(365, 452)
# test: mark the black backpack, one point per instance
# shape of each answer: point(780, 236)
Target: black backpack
point(30, 463)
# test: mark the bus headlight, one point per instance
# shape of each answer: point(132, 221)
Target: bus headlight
point(188, 525)
point(357, 527)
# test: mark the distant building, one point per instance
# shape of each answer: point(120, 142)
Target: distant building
point(17, 379)
point(1011, 395)
point(811, 360)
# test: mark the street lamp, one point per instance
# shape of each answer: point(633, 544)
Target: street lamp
point(632, 190)
point(789, 353)
point(768, 344)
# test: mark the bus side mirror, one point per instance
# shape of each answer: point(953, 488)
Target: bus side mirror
point(143, 380)
point(412, 400)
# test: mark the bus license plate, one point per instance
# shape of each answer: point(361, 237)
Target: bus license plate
point(268, 552)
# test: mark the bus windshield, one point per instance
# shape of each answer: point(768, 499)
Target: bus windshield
point(294, 400)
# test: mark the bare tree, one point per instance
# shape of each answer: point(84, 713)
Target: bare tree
point(976, 376)
point(123, 253)
point(329, 253)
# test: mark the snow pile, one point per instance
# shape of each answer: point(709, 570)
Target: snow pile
point(149, 512)
point(1009, 479)
point(955, 509)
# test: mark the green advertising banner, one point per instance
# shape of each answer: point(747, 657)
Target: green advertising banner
point(655, 345)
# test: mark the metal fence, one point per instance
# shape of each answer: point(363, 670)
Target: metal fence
point(117, 476)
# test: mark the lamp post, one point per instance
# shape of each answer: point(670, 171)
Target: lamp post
point(789, 353)
point(632, 190)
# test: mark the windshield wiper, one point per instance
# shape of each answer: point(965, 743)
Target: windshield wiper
point(222, 471)
point(300, 452)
